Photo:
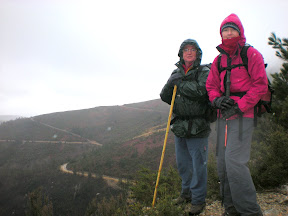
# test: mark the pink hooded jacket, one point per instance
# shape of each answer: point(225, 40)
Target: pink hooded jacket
point(254, 82)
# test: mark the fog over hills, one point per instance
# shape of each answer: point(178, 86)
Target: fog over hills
point(8, 117)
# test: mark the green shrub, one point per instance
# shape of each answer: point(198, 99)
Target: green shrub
point(143, 190)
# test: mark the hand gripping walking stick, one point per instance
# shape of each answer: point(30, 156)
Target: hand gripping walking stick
point(165, 141)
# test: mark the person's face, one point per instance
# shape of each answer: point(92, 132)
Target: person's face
point(229, 33)
point(189, 54)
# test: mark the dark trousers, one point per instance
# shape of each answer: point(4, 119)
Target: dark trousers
point(237, 187)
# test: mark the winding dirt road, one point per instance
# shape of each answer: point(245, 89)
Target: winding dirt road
point(111, 181)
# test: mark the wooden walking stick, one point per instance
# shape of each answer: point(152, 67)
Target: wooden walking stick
point(165, 141)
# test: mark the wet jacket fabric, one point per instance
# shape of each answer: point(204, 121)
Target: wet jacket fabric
point(191, 100)
point(254, 81)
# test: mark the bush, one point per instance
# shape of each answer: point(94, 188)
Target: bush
point(143, 190)
point(269, 166)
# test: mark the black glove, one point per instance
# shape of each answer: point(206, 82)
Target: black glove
point(223, 102)
point(175, 79)
point(227, 113)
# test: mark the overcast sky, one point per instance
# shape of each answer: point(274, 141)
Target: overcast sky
point(58, 55)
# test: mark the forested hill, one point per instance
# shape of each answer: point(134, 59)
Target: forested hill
point(108, 124)
point(103, 124)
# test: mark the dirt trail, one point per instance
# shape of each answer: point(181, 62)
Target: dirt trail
point(111, 181)
point(144, 109)
point(49, 141)
point(65, 131)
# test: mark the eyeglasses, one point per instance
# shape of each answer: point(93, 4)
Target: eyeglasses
point(191, 50)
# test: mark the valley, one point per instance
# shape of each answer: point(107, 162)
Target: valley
point(76, 156)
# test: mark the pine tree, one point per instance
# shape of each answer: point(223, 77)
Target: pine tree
point(270, 165)
point(280, 81)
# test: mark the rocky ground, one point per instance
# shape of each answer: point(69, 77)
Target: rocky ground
point(272, 203)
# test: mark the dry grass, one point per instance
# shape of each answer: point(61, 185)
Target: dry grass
point(271, 203)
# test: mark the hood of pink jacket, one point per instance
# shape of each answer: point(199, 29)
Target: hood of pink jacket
point(235, 19)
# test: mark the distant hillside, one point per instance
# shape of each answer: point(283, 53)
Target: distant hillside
point(27, 129)
point(155, 105)
point(103, 125)
point(109, 124)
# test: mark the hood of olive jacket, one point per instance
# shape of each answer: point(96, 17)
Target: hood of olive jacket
point(194, 43)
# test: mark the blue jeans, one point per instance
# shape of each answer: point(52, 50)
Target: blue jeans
point(191, 159)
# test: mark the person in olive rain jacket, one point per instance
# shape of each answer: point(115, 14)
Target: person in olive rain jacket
point(236, 114)
point(189, 123)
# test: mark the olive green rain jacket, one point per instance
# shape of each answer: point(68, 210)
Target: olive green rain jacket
point(191, 102)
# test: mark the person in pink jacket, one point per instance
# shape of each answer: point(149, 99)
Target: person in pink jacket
point(235, 92)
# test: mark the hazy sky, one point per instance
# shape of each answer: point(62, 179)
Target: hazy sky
point(58, 55)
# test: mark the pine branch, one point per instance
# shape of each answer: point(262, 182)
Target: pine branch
point(282, 47)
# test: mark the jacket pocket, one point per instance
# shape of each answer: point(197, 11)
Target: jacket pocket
point(195, 127)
